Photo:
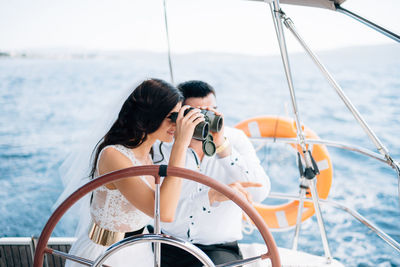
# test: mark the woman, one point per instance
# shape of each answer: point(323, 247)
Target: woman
point(127, 205)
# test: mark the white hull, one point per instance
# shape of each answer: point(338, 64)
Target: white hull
point(289, 258)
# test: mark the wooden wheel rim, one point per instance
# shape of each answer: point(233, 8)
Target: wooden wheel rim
point(154, 171)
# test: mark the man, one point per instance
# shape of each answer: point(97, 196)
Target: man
point(204, 216)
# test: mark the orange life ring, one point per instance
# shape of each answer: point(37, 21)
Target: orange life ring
point(284, 216)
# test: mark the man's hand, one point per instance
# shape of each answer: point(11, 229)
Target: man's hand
point(215, 196)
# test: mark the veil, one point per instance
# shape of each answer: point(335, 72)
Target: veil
point(75, 169)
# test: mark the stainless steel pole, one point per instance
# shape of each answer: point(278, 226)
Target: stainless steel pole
point(277, 16)
point(299, 215)
point(300, 136)
point(157, 227)
point(315, 198)
point(285, 59)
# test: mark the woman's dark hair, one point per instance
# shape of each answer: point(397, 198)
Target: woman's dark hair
point(141, 114)
point(195, 88)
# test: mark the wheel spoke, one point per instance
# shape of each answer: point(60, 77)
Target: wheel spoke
point(71, 257)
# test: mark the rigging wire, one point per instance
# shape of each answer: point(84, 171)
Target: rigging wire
point(171, 73)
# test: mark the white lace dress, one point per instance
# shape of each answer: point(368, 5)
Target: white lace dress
point(112, 211)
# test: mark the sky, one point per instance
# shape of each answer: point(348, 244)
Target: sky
point(232, 26)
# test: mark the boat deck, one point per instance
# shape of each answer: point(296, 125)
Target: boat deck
point(289, 258)
point(19, 251)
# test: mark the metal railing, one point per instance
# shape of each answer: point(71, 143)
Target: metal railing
point(260, 142)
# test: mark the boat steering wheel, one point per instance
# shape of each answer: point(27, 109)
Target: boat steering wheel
point(156, 171)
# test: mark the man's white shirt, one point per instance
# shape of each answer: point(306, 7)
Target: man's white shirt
point(197, 221)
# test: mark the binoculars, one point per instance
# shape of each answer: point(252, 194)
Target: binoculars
point(202, 130)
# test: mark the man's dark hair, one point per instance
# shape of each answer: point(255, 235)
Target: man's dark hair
point(195, 88)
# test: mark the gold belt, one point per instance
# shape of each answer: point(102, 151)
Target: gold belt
point(103, 236)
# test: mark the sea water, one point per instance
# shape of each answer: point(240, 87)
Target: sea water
point(48, 103)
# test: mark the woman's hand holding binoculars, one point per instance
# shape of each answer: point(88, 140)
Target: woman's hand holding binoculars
point(212, 123)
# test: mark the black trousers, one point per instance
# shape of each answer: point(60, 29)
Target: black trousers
point(220, 253)
point(137, 232)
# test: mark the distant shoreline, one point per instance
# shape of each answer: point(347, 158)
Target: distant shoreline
point(5, 54)
point(65, 53)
